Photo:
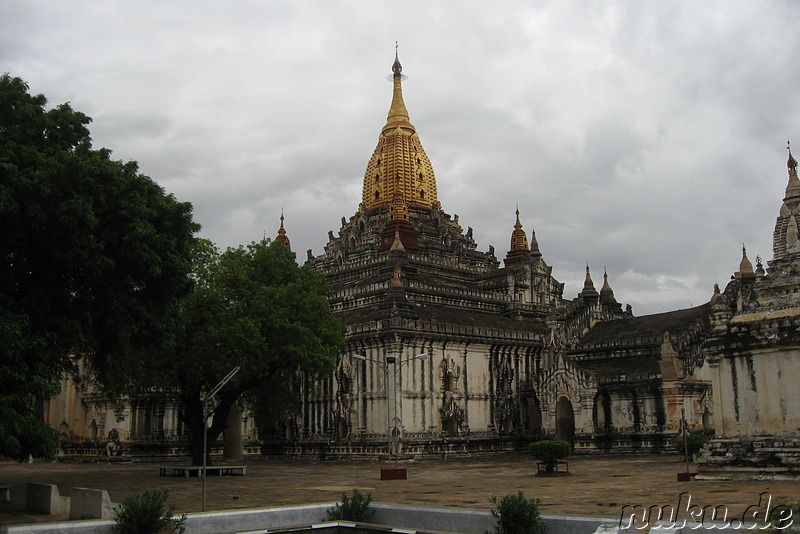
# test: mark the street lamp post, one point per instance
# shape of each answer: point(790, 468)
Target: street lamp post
point(206, 397)
point(393, 432)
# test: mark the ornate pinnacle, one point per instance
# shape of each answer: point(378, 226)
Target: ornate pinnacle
point(397, 68)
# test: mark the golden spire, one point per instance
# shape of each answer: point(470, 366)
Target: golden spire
point(399, 163)
point(282, 234)
point(398, 114)
point(519, 241)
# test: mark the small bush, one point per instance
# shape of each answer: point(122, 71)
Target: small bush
point(694, 442)
point(147, 513)
point(517, 515)
point(355, 508)
point(782, 517)
point(550, 452)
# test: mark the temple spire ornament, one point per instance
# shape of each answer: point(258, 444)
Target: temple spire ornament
point(589, 292)
point(792, 196)
point(518, 251)
point(519, 241)
point(535, 245)
point(745, 266)
point(399, 163)
point(606, 293)
point(282, 235)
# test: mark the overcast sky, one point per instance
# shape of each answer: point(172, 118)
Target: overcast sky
point(647, 137)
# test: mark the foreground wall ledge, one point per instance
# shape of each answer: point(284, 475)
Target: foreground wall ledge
point(397, 516)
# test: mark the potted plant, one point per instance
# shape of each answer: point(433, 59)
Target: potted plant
point(550, 453)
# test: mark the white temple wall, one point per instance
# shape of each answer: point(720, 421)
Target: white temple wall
point(758, 394)
point(451, 386)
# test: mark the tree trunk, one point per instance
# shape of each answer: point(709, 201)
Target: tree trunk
point(217, 419)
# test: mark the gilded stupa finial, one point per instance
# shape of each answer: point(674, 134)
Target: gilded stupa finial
point(399, 154)
point(519, 241)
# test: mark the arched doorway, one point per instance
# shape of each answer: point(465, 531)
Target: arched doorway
point(532, 414)
point(343, 428)
point(602, 412)
point(565, 421)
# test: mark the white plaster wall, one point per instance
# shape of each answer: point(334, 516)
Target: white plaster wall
point(765, 390)
point(420, 388)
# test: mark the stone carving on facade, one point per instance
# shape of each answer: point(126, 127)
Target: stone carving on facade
point(452, 416)
point(506, 413)
point(449, 375)
point(344, 398)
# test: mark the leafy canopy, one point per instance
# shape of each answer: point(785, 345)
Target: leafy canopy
point(550, 452)
point(255, 308)
point(93, 259)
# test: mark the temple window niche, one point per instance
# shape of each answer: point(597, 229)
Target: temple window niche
point(422, 194)
point(377, 195)
point(450, 374)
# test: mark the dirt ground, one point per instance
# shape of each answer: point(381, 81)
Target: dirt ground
point(598, 485)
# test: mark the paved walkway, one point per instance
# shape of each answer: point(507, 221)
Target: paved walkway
point(599, 485)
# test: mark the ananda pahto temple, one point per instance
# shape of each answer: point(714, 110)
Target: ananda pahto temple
point(452, 350)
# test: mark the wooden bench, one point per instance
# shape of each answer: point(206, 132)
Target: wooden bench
point(560, 468)
point(5, 493)
point(187, 471)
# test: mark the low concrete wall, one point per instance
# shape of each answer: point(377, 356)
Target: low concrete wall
point(397, 515)
point(88, 503)
point(45, 499)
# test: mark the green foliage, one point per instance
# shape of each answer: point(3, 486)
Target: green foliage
point(517, 515)
point(550, 452)
point(24, 434)
point(694, 442)
point(355, 508)
point(93, 257)
point(255, 308)
point(782, 517)
point(147, 513)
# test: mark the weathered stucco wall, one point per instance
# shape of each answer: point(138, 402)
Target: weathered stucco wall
point(758, 394)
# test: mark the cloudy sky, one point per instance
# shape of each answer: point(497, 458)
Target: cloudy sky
point(647, 137)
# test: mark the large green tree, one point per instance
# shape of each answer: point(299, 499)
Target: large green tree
point(93, 259)
point(252, 307)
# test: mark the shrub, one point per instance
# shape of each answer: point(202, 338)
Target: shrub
point(517, 515)
point(781, 518)
point(550, 452)
point(694, 442)
point(147, 513)
point(355, 508)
